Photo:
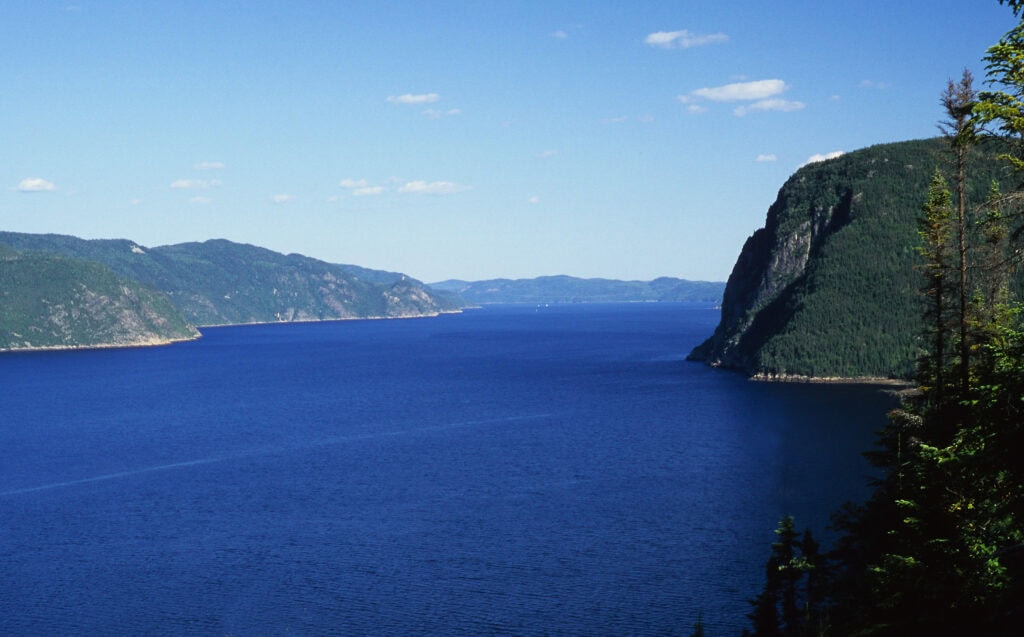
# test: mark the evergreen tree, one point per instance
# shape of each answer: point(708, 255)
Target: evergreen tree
point(959, 130)
point(935, 251)
point(790, 603)
point(698, 628)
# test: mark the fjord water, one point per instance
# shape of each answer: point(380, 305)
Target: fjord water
point(510, 470)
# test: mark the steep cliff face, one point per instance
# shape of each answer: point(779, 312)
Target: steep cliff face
point(828, 287)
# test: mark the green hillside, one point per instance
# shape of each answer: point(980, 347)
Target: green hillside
point(50, 301)
point(221, 282)
point(829, 287)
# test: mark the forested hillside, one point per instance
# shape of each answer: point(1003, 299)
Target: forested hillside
point(830, 286)
point(938, 547)
point(221, 282)
point(50, 301)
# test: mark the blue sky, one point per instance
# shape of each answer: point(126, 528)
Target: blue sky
point(458, 139)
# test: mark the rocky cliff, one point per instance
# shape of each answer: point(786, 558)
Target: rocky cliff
point(829, 287)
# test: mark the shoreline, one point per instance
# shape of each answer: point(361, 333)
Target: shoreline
point(154, 342)
point(762, 377)
point(336, 319)
point(163, 342)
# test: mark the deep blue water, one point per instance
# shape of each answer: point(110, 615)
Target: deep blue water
point(510, 470)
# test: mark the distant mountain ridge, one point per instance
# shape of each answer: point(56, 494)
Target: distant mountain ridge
point(567, 289)
point(221, 282)
point(830, 286)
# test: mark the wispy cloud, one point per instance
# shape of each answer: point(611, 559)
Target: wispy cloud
point(871, 84)
point(756, 90)
point(35, 184)
point(209, 165)
point(773, 104)
point(762, 95)
point(813, 159)
point(432, 188)
point(560, 35)
point(282, 198)
point(410, 98)
point(544, 154)
point(195, 184)
point(768, 157)
point(360, 187)
point(533, 201)
point(683, 39)
point(200, 201)
point(438, 114)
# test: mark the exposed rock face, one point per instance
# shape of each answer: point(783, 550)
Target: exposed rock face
point(829, 288)
point(772, 260)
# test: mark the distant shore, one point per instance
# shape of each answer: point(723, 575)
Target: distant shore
point(161, 342)
point(154, 342)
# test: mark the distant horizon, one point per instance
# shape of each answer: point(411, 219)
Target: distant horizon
point(361, 265)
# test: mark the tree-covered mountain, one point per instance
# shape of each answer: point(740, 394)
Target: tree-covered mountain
point(221, 282)
point(567, 289)
point(830, 287)
point(49, 301)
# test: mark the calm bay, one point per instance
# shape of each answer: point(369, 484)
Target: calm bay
point(509, 470)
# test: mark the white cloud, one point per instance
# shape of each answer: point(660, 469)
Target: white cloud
point(282, 198)
point(696, 109)
point(200, 200)
point(409, 98)
point(560, 35)
point(136, 202)
point(756, 90)
point(774, 104)
point(683, 39)
point(195, 184)
point(436, 114)
point(533, 200)
point(209, 165)
point(823, 157)
point(871, 84)
point(36, 184)
point(547, 153)
point(762, 95)
point(432, 188)
point(360, 187)
point(768, 157)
